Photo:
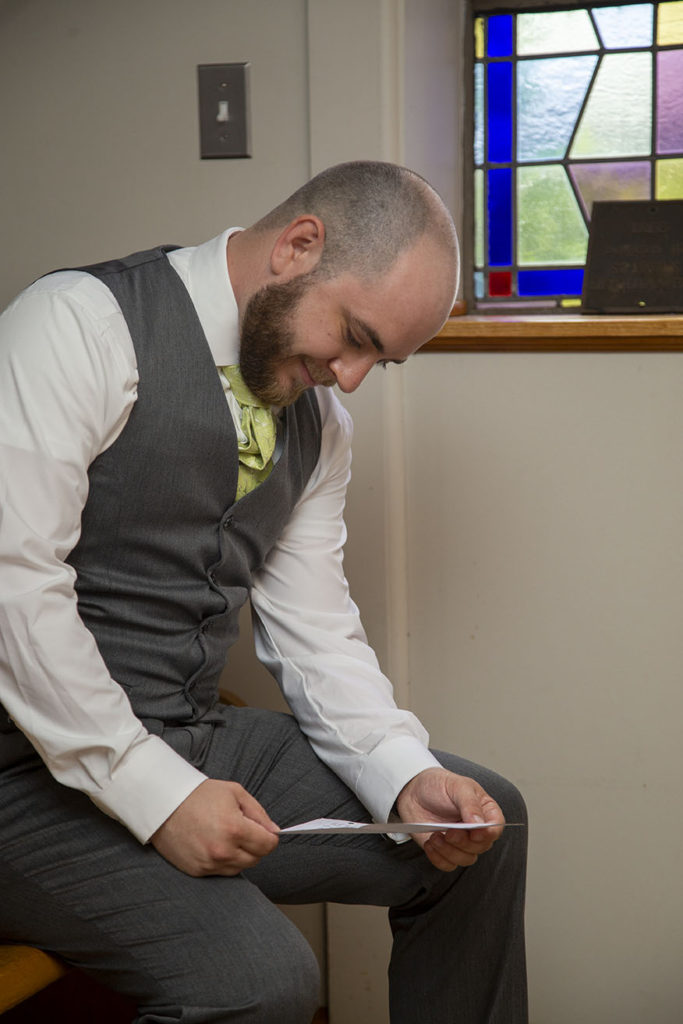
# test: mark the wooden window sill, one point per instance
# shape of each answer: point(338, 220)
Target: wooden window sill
point(559, 333)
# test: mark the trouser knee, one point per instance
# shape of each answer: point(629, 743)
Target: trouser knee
point(290, 995)
point(272, 985)
point(504, 792)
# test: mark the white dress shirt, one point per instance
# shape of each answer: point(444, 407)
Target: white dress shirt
point(68, 380)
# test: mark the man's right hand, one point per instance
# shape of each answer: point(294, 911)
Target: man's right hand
point(219, 829)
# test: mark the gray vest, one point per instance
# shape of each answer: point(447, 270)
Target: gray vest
point(166, 555)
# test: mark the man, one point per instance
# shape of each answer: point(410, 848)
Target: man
point(148, 488)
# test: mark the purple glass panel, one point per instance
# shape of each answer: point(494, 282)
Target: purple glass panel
point(670, 101)
point(499, 42)
point(500, 216)
point(621, 179)
point(568, 281)
point(500, 112)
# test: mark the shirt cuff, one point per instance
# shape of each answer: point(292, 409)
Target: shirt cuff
point(147, 786)
point(387, 769)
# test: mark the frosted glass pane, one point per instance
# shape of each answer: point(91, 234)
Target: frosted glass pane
point(670, 101)
point(669, 179)
point(479, 38)
point(550, 226)
point(630, 25)
point(478, 113)
point(611, 181)
point(479, 218)
point(555, 32)
point(478, 284)
point(670, 24)
point(617, 120)
point(550, 93)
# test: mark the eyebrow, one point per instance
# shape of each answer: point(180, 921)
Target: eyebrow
point(360, 325)
point(370, 332)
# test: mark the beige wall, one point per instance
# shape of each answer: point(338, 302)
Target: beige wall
point(515, 521)
point(98, 106)
point(545, 582)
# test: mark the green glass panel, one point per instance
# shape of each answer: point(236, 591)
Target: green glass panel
point(550, 93)
point(550, 227)
point(670, 23)
point(555, 32)
point(611, 180)
point(669, 179)
point(617, 119)
point(479, 218)
point(478, 113)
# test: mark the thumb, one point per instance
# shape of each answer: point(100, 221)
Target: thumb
point(252, 809)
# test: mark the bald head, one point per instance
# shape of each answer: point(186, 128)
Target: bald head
point(372, 212)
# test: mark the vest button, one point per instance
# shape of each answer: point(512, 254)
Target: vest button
point(227, 522)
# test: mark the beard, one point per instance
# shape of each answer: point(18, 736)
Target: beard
point(267, 339)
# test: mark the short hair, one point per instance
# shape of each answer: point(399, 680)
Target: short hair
point(372, 212)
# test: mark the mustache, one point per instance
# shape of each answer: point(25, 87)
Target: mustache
point(320, 376)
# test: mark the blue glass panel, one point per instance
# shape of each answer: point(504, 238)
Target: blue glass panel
point(478, 113)
point(500, 112)
point(628, 25)
point(500, 216)
point(500, 35)
point(478, 284)
point(568, 281)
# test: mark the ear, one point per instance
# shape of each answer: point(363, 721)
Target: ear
point(298, 247)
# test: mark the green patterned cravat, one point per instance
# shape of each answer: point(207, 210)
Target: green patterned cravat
point(258, 424)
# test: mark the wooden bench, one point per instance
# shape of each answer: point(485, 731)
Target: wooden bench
point(24, 971)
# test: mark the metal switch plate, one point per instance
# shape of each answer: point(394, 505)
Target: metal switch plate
point(223, 111)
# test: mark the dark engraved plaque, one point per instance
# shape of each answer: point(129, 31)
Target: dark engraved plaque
point(635, 258)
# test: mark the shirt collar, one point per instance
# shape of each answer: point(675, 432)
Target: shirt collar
point(204, 272)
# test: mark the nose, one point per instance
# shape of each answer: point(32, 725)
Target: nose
point(350, 372)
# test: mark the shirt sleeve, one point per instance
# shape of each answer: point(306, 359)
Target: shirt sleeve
point(67, 384)
point(308, 633)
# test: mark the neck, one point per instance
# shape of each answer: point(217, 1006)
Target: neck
point(248, 254)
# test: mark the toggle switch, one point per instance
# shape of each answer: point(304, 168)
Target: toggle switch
point(223, 110)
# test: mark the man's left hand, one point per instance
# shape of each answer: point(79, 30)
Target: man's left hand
point(439, 795)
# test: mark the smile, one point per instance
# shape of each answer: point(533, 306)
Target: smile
point(307, 379)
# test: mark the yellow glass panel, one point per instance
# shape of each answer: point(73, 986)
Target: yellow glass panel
point(670, 23)
point(570, 303)
point(479, 38)
point(669, 179)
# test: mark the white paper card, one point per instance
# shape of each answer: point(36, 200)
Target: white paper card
point(338, 825)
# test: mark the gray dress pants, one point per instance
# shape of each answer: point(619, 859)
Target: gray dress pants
point(216, 949)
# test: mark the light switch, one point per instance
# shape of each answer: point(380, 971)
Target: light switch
point(223, 110)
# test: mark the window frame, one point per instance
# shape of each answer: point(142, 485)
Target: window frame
point(474, 9)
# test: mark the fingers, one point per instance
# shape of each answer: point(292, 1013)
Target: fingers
point(218, 830)
point(446, 856)
point(437, 794)
point(252, 809)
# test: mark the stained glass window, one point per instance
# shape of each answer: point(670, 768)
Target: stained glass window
point(570, 106)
